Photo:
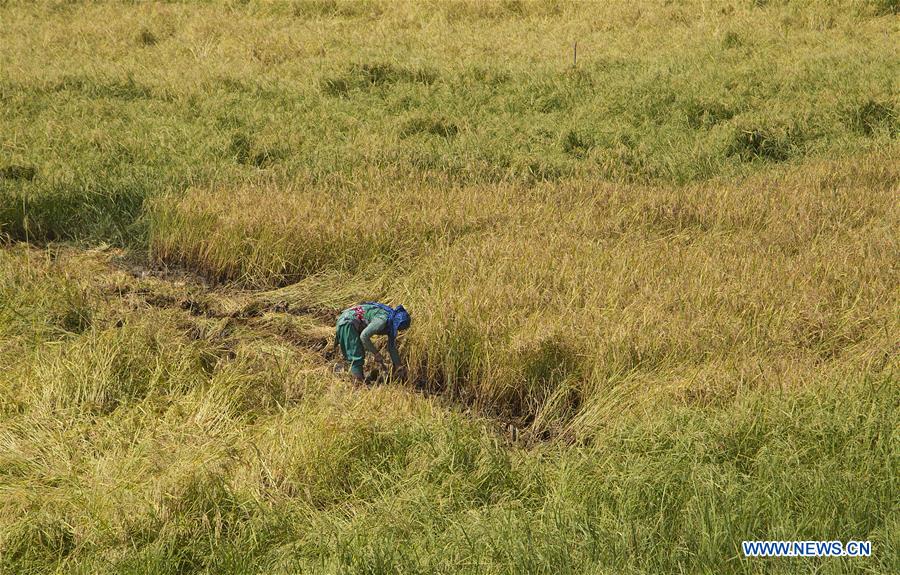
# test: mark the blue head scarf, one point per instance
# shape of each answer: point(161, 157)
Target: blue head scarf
point(398, 318)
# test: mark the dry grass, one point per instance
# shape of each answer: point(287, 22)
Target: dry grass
point(158, 439)
point(672, 266)
point(541, 302)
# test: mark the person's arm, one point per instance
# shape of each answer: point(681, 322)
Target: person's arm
point(392, 350)
point(375, 326)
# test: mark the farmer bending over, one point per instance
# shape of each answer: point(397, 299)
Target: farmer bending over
point(357, 325)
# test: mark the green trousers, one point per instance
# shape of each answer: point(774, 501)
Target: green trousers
point(351, 348)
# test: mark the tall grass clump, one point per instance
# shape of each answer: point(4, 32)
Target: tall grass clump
point(286, 233)
point(533, 304)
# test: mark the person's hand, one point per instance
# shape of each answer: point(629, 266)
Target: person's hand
point(379, 359)
point(399, 372)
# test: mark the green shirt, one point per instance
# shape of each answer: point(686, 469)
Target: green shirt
point(373, 322)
